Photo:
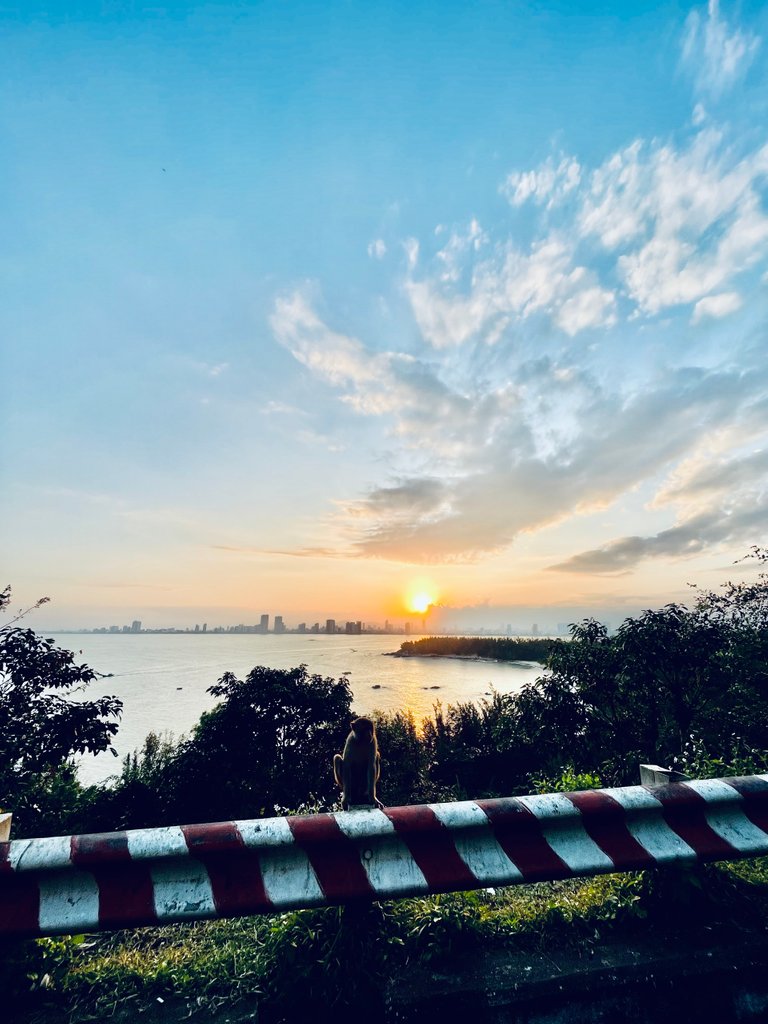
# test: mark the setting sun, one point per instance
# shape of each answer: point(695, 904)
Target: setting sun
point(420, 602)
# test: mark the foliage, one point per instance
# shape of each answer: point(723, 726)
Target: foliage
point(569, 781)
point(267, 744)
point(736, 758)
point(496, 648)
point(43, 722)
point(665, 676)
point(404, 760)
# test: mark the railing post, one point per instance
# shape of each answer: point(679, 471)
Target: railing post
point(655, 775)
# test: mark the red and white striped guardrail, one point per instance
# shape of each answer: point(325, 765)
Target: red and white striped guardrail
point(157, 875)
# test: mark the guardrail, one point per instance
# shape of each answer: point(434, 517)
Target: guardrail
point(190, 872)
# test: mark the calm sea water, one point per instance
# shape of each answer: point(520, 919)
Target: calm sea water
point(162, 678)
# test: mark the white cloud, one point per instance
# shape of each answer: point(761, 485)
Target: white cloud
point(592, 307)
point(688, 220)
point(377, 249)
point(548, 185)
point(511, 284)
point(411, 247)
point(674, 223)
point(716, 306)
point(716, 53)
point(516, 457)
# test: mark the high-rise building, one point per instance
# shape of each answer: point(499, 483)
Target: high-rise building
point(407, 629)
point(302, 627)
point(279, 624)
point(205, 627)
point(330, 625)
point(136, 626)
point(264, 624)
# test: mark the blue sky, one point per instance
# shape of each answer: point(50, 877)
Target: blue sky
point(307, 305)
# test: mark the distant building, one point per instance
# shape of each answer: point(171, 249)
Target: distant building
point(315, 628)
point(136, 626)
point(279, 624)
point(197, 627)
point(264, 624)
point(302, 627)
point(407, 629)
point(535, 629)
point(205, 627)
point(330, 625)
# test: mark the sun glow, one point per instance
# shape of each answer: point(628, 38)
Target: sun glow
point(420, 602)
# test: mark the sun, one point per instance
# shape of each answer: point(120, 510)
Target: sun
point(420, 602)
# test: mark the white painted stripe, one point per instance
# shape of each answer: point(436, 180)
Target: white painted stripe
point(725, 816)
point(646, 823)
point(364, 823)
point(387, 861)
point(265, 832)
point(475, 843)
point(50, 853)
point(563, 828)
point(288, 876)
point(68, 903)
point(182, 890)
point(289, 879)
point(151, 843)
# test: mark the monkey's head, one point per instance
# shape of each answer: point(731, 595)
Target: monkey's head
point(363, 728)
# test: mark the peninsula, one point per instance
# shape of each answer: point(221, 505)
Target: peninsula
point(486, 648)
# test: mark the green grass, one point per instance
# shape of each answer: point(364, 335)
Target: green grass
point(288, 962)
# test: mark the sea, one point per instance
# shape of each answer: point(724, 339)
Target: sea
point(162, 678)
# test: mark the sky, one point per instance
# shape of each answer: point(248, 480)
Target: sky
point(308, 308)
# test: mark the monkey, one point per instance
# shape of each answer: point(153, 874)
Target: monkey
point(357, 770)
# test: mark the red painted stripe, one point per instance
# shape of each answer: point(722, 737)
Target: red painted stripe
point(755, 794)
point(126, 894)
point(431, 846)
point(234, 871)
point(95, 850)
point(684, 812)
point(518, 832)
point(19, 899)
point(335, 858)
point(605, 822)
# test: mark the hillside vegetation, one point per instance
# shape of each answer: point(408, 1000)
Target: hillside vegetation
point(492, 648)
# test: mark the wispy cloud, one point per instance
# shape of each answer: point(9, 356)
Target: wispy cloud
point(713, 527)
point(500, 421)
point(547, 185)
point(715, 52)
point(716, 306)
point(512, 463)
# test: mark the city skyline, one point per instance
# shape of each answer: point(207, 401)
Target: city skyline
point(334, 307)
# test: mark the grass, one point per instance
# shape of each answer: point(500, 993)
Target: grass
point(282, 965)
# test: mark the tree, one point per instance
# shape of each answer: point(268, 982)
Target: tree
point(43, 723)
point(667, 676)
point(268, 743)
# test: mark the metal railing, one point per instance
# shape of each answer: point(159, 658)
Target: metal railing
point(190, 872)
